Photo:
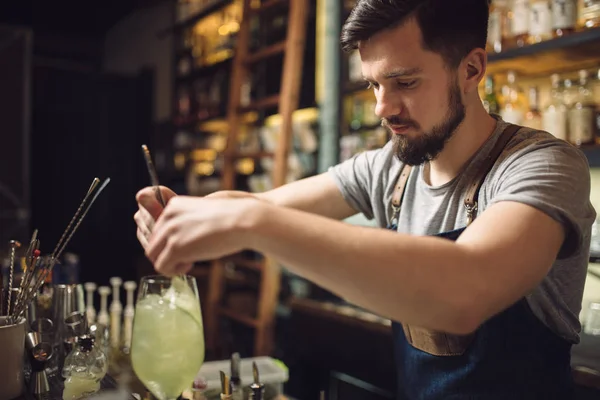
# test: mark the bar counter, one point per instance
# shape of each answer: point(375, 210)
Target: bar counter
point(328, 339)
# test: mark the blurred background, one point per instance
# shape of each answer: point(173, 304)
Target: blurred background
point(84, 84)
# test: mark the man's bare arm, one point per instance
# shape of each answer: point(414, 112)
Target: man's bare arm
point(317, 195)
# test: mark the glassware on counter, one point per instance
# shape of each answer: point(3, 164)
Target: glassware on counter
point(84, 368)
point(167, 347)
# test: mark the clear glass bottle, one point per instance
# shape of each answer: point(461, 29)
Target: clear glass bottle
point(496, 23)
point(519, 23)
point(564, 17)
point(540, 21)
point(84, 368)
point(533, 117)
point(514, 102)
point(554, 117)
point(590, 14)
point(490, 100)
point(581, 113)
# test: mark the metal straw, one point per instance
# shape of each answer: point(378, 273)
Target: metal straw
point(153, 176)
point(39, 268)
point(14, 245)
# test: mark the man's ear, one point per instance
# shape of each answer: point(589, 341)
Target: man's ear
point(473, 69)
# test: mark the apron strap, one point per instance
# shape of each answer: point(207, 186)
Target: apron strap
point(400, 185)
point(484, 169)
point(473, 189)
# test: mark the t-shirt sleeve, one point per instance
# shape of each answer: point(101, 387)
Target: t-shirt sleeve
point(555, 179)
point(354, 179)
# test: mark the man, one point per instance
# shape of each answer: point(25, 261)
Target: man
point(486, 312)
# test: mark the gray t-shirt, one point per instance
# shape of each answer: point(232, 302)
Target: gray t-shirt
point(535, 168)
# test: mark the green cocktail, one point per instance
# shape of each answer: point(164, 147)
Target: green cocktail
point(167, 348)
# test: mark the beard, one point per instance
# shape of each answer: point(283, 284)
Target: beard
point(428, 145)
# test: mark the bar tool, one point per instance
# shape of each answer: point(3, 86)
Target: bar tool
point(103, 317)
point(12, 358)
point(130, 287)
point(116, 310)
point(90, 311)
point(76, 324)
point(39, 357)
point(236, 381)
point(257, 389)
point(40, 268)
point(67, 299)
point(45, 328)
point(153, 176)
point(14, 245)
point(226, 389)
point(32, 339)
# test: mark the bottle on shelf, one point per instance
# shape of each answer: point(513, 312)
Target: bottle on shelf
point(590, 13)
point(496, 25)
point(540, 21)
point(564, 17)
point(519, 23)
point(354, 67)
point(490, 100)
point(581, 114)
point(533, 117)
point(514, 103)
point(598, 113)
point(554, 117)
point(357, 116)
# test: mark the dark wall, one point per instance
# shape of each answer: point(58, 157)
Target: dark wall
point(15, 58)
point(85, 125)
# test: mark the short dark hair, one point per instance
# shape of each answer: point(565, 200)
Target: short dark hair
point(451, 28)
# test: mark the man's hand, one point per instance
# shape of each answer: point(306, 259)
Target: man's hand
point(198, 229)
point(149, 209)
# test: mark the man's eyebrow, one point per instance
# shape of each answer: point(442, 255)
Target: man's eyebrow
point(402, 72)
point(399, 73)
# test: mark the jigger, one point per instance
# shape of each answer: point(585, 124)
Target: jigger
point(76, 323)
point(32, 339)
point(39, 357)
point(77, 326)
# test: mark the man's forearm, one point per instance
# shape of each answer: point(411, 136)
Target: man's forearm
point(419, 280)
point(317, 195)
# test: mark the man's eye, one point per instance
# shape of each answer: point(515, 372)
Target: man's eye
point(372, 85)
point(407, 84)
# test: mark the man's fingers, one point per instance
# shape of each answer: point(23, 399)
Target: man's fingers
point(142, 238)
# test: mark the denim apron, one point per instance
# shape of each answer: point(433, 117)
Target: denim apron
point(511, 356)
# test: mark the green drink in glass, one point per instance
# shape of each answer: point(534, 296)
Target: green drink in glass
point(167, 346)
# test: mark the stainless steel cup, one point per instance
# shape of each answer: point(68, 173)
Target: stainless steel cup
point(12, 348)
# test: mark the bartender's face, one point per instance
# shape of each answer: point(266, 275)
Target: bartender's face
point(418, 97)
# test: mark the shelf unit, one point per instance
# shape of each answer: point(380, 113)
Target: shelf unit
point(201, 91)
point(200, 123)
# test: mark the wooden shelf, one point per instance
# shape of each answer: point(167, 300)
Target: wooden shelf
point(204, 70)
point(580, 50)
point(238, 317)
point(209, 8)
